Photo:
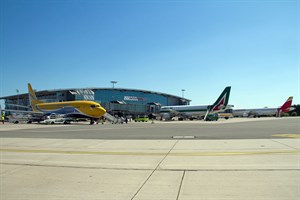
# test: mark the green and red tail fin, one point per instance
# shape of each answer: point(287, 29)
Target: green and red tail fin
point(222, 101)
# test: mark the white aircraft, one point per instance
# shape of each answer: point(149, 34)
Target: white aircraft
point(191, 112)
point(258, 112)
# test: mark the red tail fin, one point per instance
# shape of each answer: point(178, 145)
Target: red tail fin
point(286, 107)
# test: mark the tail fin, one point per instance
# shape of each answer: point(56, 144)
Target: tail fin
point(286, 107)
point(222, 101)
point(32, 98)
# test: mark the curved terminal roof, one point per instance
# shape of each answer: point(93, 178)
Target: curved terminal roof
point(98, 88)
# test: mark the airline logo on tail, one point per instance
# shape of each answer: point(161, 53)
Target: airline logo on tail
point(222, 101)
point(286, 107)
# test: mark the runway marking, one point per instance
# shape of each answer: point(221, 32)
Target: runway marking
point(79, 130)
point(184, 137)
point(152, 154)
point(287, 135)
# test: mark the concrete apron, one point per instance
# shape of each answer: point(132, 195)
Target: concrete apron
point(158, 169)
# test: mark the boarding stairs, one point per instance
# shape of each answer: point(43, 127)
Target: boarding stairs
point(112, 119)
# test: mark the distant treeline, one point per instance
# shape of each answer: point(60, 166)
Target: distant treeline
point(295, 112)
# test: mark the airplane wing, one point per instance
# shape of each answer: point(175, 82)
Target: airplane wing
point(16, 105)
point(22, 111)
point(173, 112)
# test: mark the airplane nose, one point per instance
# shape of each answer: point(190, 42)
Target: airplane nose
point(101, 111)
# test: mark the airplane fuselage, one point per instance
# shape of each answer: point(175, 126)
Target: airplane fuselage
point(254, 112)
point(85, 108)
point(257, 112)
point(187, 111)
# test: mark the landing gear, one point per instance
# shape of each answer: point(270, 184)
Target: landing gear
point(92, 122)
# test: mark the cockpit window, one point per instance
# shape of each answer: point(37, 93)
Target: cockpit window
point(95, 106)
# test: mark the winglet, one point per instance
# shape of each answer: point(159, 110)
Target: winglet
point(32, 98)
point(222, 101)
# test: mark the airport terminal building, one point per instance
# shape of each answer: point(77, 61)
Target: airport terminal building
point(117, 101)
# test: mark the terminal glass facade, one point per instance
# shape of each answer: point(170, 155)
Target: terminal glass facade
point(129, 97)
point(123, 102)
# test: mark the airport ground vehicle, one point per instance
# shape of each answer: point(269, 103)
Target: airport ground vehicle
point(212, 117)
point(57, 119)
point(18, 118)
point(141, 119)
point(24, 118)
point(225, 115)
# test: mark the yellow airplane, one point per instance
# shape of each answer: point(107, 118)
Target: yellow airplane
point(77, 109)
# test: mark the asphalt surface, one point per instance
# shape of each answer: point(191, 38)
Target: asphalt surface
point(142, 161)
point(267, 128)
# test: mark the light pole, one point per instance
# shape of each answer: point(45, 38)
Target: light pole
point(182, 90)
point(113, 83)
point(18, 99)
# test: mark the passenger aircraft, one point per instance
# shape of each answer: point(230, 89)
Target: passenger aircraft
point(187, 111)
point(258, 112)
point(76, 109)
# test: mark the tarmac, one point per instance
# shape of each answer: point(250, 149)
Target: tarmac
point(175, 169)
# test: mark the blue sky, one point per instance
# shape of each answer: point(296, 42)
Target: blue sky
point(163, 46)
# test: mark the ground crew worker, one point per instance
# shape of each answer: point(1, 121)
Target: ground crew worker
point(2, 118)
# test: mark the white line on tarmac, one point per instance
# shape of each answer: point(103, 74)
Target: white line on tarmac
point(78, 130)
point(242, 153)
